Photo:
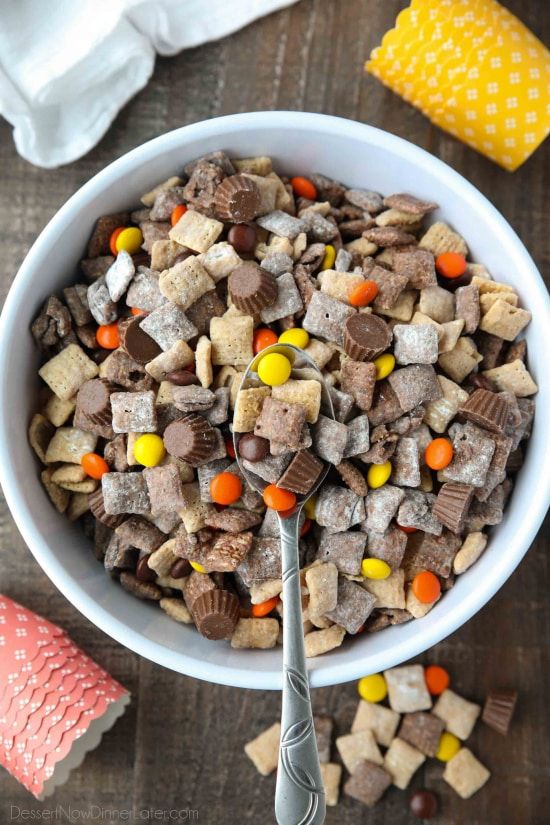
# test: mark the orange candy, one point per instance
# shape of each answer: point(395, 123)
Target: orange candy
point(439, 453)
point(304, 188)
point(112, 240)
point(262, 609)
point(437, 679)
point(450, 265)
point(306, 527)
point(107, 336)
point(94, 466)
point(230, 448)
point(407, 529)
point(278, 499)
point(226, 488)
point(263, 338)
point(426, 587)
point(177, 212)
point(363, 294)
point(136, 311)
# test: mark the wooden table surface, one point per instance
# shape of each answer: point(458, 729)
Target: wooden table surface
point(179, 746)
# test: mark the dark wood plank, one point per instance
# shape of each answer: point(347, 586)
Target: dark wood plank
point(180, 744)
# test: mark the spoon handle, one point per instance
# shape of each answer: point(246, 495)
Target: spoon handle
point(299, 796)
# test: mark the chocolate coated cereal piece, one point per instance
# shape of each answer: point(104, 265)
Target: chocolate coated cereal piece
point(358, 440)
point(192, 398)
point(231, 520)
point(124, 493)
point(202, 311)
point(325, 317)
point(99, 241)
point(102, 307)
point(287, 301)
point(133, 412)
point(406, 464)
point(262, 562)
point(168, 324)
point(386, 407)
point(139, 533)
point(415, 343)
point(422, 731)
point(281, 422)
point(358, 379)
point(329, 439)
point(368, 783)
point(338, 508)
point(164, 488)
point(415, 384)
point(119, 275)
point(473, 451)
point(416, 511)
point(270, 468)
point(282, 224)
point(434, 553)
point(352, 477)
point(381, 506)
point(345, 550)
point(389, 546)
point(76, 298)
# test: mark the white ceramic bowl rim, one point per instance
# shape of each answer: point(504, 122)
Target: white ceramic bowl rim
point(477, 596)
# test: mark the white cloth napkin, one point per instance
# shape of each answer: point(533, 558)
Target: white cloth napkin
point(68, 66)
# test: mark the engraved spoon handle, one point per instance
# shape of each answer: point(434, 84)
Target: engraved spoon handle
point(299, 796)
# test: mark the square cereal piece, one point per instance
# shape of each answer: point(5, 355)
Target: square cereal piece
point(144, 292)
point(149, 198)
point(471, 549)
point(422, 730)
point(338, 508)
point(346, 550)
point(514, 378)
point(390, 592)
point(438, 414)
point(415, 343)
point(271, 468)
point(473, 452)
point(165, 253)
point(40, 434)
point(282, 224)
point(358, 379)
point(342, 404)
point(331, 774)
point(407, 691)
point(325, 317)
point(406, 463)
point(262, 591)
point(164, 488)
point(119, 275)
point(434, 553)
point(125, 493)
point(418, 266)
point(381, 506)
point(58, 411)
point(358, 436)
point(263, 562)
point(102, 307)
point(355, 747)
point(402, 761)
point(288, 301)
point(459, 362)
point(67, 371)
point(176, 609)
point(467, 307)
point(389, 546)
point(380, 720)
point(281, 422)
point(403, 308)
point(414, 385)
point(260, 165)
point(440, 238)
point(196, 231)
point(457, 713)
point(248, 406)
point(264, 750)
point(416, 511)
point(368, 784)
point(437, 303)
point(321, 641)
point(355, 604)
point(232, 340)
point(194, 511)
point(69, 445)
point(306, 393)
point(179, 355)
point(339, 285)
point(319, 352)
point(416, 608)
point(220, 260)
point(323, 734)
point(185, 282)
point(465, 774)
point(450, 332)
point(322, 583)
point(167, 325)
point(58, 496)
point(219, 411)
point(330, 439)
point(134, 412)
point(260, 634)
point(390, 286)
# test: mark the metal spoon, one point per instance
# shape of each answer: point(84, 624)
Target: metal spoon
point(299, 795)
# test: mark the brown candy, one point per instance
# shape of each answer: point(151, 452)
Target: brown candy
point(242, 238)
point(94, 402)
point(366, 336)
point(97, 507)
point(423, 804)
point(486, 409)
point(135, 342)
point(180, 568)
point(190, 438)
point(252, 288)
point(143, 572)
point(499, 709)
point(237, 199)
point(182, 378)
point(302, 473)
point(216, 613)
point(452, 505)
point(253, 447)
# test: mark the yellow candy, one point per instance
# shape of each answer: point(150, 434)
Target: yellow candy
point(378, 474)
point(330, 257)
point(198, 567)
point(372, 688)
point(448, 747)
point(274, 369)
point(296, 336)
point(129, 240)
point(309, 507)
point(384, 365)
point(375, 569)
point(149, 450)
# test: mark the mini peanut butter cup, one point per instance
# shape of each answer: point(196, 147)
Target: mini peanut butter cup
point(95, 500)
point(302, 473)
point(366, 336)
point(487, 409)
point(190, 438)
point(499, 709)
point(94, 403)
point(135, 342)
point(252, 288)
point(216, 613)
point(237, 199)
point(452, 505)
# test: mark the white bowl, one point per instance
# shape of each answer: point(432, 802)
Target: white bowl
point(300, 143)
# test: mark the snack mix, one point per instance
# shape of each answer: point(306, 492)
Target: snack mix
point(143, 358)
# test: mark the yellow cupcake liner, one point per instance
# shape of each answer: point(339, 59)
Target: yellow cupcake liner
point(475, 70)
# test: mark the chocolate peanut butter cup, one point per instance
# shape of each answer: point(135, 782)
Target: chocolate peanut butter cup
point(302, 473)
point(237, 199)
point(135, 342)
point(366, 336)
point(499, 709)
point(252, 288)
point(216, 613)
point(190, 438)
point(452, 505)
point(94, 403)
point(487, 409)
